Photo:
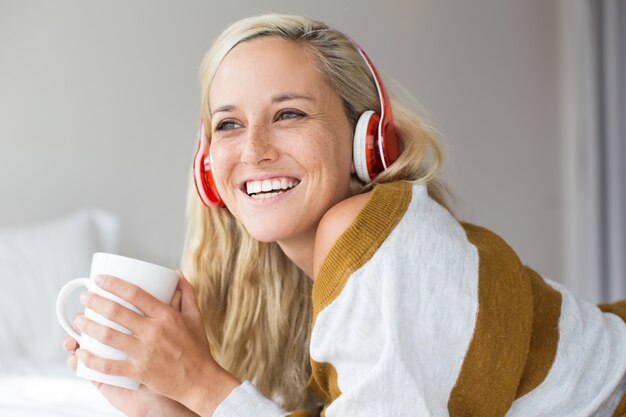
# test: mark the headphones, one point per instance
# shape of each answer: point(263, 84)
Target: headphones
point(374, 149)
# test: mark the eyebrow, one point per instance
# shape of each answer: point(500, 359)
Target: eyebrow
point(226, 108)
point(276, 99)
point(290, 96)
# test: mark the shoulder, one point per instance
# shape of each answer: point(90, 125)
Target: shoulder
point(374, 214)
point(334, 222)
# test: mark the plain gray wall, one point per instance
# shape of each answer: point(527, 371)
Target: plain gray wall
point(99, 107)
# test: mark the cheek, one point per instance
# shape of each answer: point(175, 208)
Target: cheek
point(332, 152)
point(222, 163)
point(323, 145)
point(309, 155)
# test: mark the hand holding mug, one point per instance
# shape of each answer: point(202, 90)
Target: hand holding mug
point(142, 402)
point(158, 281)
point(165, 349)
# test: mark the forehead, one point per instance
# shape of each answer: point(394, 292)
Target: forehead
point(264, 67)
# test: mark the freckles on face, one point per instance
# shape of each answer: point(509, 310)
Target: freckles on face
point(275, 118)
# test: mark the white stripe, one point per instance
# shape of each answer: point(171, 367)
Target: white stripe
point(245, 401)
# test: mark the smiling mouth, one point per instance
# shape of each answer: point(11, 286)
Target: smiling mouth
point(269, 188)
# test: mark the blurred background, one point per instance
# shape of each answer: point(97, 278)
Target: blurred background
point(99, 108)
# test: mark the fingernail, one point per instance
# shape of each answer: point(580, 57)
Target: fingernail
point(99, 279)
point(83, 297)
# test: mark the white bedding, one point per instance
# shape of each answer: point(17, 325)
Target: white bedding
point(52, 391)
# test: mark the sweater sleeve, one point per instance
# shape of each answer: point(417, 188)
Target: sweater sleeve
point(246, 400)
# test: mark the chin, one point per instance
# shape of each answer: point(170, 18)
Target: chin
point(265, 237)
point(265, 234)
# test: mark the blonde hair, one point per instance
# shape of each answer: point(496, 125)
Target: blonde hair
point(256, 303)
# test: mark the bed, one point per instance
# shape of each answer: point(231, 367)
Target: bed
point(35, 261)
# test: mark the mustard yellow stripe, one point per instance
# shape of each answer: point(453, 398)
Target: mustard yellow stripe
point(545, 334)
point(299, 413)
point(320, 371)
point(494, 363)
point(328, 390)
point(618, 308)
point(620, 411)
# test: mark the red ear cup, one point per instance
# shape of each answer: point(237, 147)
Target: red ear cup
point(389, 142)
point(372, 151)
point(202, 174)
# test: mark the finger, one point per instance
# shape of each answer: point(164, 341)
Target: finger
point(188, 303)
point(107, 335)
point(111, 310)
point(175, 304)
point(71, 361)
point(131, 293)
point(106, 366)
point(110, 391)
point(73, 326)
point(70, 344)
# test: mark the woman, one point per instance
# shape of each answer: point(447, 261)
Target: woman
point(411, 313)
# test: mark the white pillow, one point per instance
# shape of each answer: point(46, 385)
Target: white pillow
point(35, 262)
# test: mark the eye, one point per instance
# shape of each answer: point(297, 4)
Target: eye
point(227, 125)
point(289, 114)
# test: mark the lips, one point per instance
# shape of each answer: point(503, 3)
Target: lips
point(268, 188)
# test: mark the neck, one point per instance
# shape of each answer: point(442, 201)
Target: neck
point(300, 251)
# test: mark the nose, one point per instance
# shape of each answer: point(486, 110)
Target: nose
point(258, 148)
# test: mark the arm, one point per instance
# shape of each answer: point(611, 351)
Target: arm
point(246, 400)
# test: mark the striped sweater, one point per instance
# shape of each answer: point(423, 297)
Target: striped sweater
point(416, 314)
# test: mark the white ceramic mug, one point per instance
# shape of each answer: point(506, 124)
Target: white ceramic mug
point(157, 280)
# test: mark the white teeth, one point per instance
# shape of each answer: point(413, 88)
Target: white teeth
point(265, 195)
point(255, 187)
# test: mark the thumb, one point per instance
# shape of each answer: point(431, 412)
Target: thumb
point(175, 303)
point(187, 296)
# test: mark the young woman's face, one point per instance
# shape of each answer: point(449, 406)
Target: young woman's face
point(281, 143)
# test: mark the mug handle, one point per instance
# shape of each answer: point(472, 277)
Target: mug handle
point(62, 301)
